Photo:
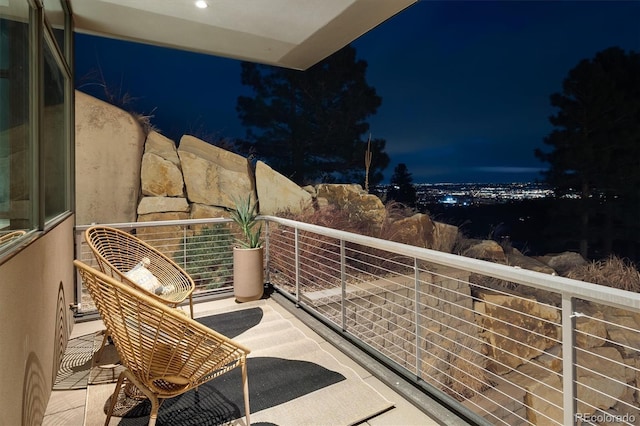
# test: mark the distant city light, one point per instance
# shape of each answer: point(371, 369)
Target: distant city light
point(469, 194)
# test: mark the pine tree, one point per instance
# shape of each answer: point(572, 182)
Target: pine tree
point(309, 125)
point(596, 141)
point(402, 189)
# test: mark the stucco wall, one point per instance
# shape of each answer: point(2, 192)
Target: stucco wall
point(109, 146)
point(36, 287)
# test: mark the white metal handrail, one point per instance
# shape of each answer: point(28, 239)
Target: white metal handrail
point(567, 398)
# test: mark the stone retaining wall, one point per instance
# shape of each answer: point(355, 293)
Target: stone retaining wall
point(468, 337)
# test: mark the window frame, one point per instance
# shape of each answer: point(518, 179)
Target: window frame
point(41, 34)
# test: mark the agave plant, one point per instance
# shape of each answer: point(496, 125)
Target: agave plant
point(245, 215)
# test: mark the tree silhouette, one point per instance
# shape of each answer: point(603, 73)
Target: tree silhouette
point(308, 124)
point(596, 142)
point(401, 188)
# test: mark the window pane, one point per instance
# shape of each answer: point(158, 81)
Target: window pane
point(15, 150)
point(55, 165)
point(55, 16)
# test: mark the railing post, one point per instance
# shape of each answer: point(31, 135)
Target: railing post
point(568, 357)
point(343, 283)
point(184, 247)
point(266, 251)
point(417, 316)
point(79, 254)
point(297, 263)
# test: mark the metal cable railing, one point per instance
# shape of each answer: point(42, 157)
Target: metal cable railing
point(507, 345)
point(512, 346)
point(202, 247)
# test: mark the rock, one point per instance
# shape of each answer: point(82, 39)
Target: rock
point(417, 230)
point(591, 330)
point(276, 193)
point(420, 231)
point(361, 205)
point(162, 204)
point(445, 237)
point(622, 327)
point(516, 328)
point(564, 262)
point(543, 396)
point(213, 175)
point(601, 369)
point(202, 211)
point(310, 189)
point(515, 258)
point(551, 358)
point(109, 144)
point(162, 146)
point(160, 177)
point(486, 250)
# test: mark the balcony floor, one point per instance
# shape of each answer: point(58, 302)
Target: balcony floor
point(67, 407)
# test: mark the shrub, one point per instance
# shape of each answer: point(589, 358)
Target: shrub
point(611, 272)
point(208, 257)
point(320, 253)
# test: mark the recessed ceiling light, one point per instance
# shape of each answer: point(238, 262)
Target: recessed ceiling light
point(201, 4)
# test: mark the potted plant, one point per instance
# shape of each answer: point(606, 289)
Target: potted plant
point(248, 269)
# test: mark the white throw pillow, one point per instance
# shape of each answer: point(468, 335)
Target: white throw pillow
point(141, 276)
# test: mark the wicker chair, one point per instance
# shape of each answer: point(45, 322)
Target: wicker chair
point(11, 236)
point(117, 252)
point(164, 352)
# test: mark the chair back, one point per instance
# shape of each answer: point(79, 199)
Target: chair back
point(118, 252)
point(166, 351)
point(11, 236)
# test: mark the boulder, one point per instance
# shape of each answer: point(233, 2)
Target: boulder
point(417, 230)
point(109, 145)
point(486, 250)
point(543, 397)
point(551, 358)
point(213, 175)
point(591, 329)
point(276, 193)
point(162, 204)
point(601, 378)
point(517, 328)
point(563, 262)
point(445, 237)
point(163, 146)
point(515, 258)
point(160, 177)
point(361, 205)
point(202, 211)
point(622, 327)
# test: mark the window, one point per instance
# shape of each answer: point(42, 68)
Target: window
point(55, 153)
point(15, 126)
point(35, 115)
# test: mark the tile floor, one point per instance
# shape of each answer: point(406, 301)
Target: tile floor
point(66, 408)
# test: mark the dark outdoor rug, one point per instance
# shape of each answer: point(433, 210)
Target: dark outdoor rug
point(233, 324)
point(292, 381)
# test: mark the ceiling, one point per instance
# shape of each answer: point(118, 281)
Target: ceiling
point(288, 33)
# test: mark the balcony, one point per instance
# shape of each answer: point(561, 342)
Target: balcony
point(492, 343)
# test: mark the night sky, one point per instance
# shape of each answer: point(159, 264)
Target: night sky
point(465, 86)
